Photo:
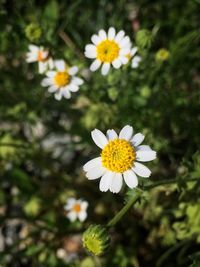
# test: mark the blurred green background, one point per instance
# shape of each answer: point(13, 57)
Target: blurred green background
point(44, 143)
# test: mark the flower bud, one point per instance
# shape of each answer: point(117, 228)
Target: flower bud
point(162, 54)
point(96, 239)
point(33, 32)
point(144, 38)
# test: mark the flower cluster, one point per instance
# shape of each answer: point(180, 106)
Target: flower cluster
point(60, 78)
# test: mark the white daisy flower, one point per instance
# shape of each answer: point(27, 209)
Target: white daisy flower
point(76, 209)
point(119, 159)
point(108, 49)
point(40, 55)
point(62, 81)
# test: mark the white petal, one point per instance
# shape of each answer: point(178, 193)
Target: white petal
point(52, 89)
point(137, 139)
point(102, 35)
point(73, 70)
point(105, 68)
point(93, 163)
point(124, 41)
point(51, 74)
point(42, 67)
point(72, 216)
point(73, 88)
point(50, 63)
point(130, 178)
point(105, 181)
point(66, 94)
point(124, 51)
point(77, 81)
point(133, 51)
point(99, 138)
point(70, 203)
point(124, 59)
point(111, 134)
point(90, 48)
point(96, 39)
point(84, 205)
point(145, 155)
point(31, 59)
point(116, 183)
point(126, 133)
point(119, 36)
point(141, 170)
point(46, 82)
point(60, 65)
point(135, 62)
point(116, 63)
point(111, 33)
point(33, 48)
point(82, 215)
point(95, 65)
point(90, 54)
point(58, 95)
point(143, 147)
point(95, 173)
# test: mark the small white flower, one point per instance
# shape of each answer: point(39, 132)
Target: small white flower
point(108, 49)
point(119, 159)
point(40, 55)
point(76, 209)
point(62, 81)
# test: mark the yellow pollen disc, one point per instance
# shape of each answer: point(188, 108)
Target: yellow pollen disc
point(40, 56)
point(62, 78)
point(76, 208)
point(118, 155)
point(107, 51)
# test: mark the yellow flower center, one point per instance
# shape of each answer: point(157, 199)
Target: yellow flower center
point(118, 155)
point(77, 208)
point(107, 51)
point(62, 78)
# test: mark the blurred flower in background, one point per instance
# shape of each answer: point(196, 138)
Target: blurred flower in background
point(108, 49)
point(76, 209)
point(40, 55)
point(162, 54)
point(62, 81)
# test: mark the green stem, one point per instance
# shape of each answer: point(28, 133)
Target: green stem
point(169, 181)
point(136, 195)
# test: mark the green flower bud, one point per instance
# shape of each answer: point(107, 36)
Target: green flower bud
point(96, 239)
point(33, 32)
point(144, 38)
point(162, 54)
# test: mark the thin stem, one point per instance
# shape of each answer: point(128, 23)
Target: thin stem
point(64, 36)
point(169, 181)
point(123, 211)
